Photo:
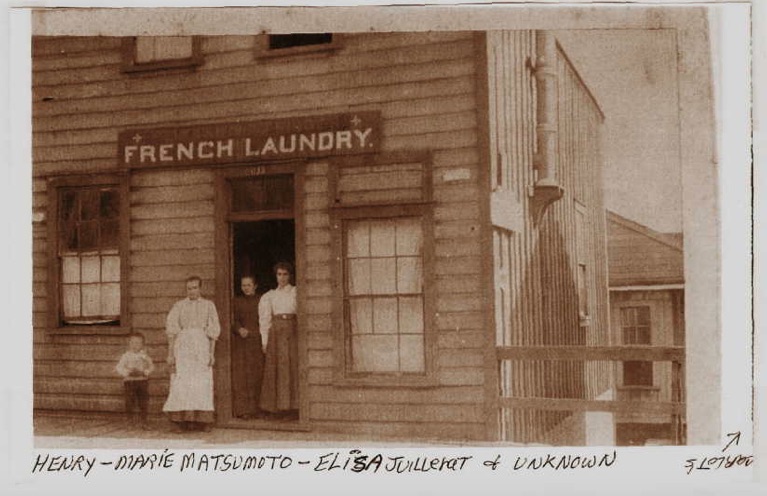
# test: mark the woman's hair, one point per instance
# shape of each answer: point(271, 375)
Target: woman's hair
point(284, 266)
point(249, 276)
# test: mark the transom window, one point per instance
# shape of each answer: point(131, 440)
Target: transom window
point(383, 297)
point(89, 255)
point(264, 193)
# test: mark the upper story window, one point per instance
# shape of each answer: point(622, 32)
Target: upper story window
point(149, 53)
point(87, 253)
point(275, 45)
point(636, 330)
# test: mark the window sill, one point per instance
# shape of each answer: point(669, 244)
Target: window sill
point(190, 63)
point(86, 330)
point(387, 381)
point(638, 388)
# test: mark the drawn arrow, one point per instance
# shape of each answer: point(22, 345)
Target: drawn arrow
point(734, 438)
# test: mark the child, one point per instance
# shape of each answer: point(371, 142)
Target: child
point(134, 367)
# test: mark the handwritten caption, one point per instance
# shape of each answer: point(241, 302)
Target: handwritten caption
point(722, 461)
point(353, 461)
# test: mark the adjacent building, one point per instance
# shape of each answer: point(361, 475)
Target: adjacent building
point(647, 309)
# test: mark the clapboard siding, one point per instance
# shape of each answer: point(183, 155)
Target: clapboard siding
point(423, 84)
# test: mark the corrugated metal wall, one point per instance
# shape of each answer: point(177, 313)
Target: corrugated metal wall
point(536, 268)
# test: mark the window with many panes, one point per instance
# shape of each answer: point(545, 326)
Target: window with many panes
point(146, 53)
point(636, 330)
point(384, 295)
point(87, 254)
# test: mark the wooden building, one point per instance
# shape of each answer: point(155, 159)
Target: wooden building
point(440, 194)
point(646, 274)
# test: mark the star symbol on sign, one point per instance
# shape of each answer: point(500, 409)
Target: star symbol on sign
point(356, 121)
point(136, 138)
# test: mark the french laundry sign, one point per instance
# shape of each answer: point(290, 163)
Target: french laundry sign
point(254, 141)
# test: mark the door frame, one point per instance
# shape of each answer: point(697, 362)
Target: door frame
point(223, 269)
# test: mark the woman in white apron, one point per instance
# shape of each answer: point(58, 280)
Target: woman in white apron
point(192, 328)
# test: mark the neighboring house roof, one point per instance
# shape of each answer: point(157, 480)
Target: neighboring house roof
point(640, 256)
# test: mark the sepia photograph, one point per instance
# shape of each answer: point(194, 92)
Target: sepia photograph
point(442, 236)
point(348, 228)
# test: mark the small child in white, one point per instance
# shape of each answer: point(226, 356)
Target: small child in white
point(134, 367)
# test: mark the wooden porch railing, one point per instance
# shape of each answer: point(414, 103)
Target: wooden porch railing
point(674, 354)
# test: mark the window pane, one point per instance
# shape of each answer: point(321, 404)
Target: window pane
point(643, 316)
point(91, 269)
point(89, 235)
point(382, 238)
point(91, 300)
point(359, 276)
point(70, 269)
point(409, 275)
point(110, 204)
point(89, 204)
point(636, 373)
point(411, 315)
point(372, 353)
point(383, 275)
point(411, 353)
point(70, 295)
point(277, 41)
point(384, 315)
point(358, 239)
point(110, 299)
point(109, 233)
point(172, 47)
point(361, 315)
point(643, 335)
point(145, 49)
point(626, 317)
point(409, 237)
point(110, 268)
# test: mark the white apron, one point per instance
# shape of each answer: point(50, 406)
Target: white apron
point(191, 387)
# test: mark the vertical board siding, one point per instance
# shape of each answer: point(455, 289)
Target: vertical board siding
point(424, 86)
point(535, 269)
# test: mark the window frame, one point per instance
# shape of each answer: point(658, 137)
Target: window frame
point(634, 306)
point(263, 51)
point(342, 374)
point(129, 64)
point(56, 186)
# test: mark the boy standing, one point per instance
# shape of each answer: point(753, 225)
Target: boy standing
point(134, 367)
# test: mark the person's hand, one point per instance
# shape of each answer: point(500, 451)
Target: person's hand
point(263, 348)
point(243, 332)
point(171, 361)
point(212, 360)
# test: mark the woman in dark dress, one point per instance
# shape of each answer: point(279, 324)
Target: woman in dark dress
point(247, 353)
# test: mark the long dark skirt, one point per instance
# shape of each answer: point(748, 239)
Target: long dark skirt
point(247, 373)
point(279, 391)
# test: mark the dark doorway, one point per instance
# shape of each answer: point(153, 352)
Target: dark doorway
point(257, 246)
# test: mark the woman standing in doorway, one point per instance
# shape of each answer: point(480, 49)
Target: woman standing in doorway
point(277, 318)
point(247, 354)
